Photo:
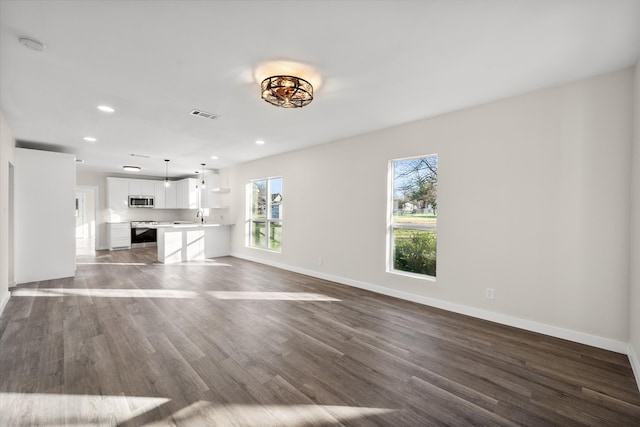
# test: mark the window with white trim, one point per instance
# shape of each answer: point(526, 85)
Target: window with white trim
point(265, 214)
point(413, 217)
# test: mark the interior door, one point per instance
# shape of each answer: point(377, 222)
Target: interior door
point(81, 223)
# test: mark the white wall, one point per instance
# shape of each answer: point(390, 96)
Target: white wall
point(7, 157)
point(634, 305)
point(45, 184)
point(533, 202)
point(103, 214)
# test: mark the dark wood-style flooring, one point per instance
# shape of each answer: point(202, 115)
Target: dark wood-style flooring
point(131, 342)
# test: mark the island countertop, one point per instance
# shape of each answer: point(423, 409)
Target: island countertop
point(180, 224)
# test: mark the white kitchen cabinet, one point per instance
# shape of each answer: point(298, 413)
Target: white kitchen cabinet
point(119, 190)
point(165, 197)
point(192, 242)
point(159, 194)
point(217, 241)
point(117, 193)
point(141, 187)
point(214, 196)
point(187, 193)
point(170, 196)
point(118, 235)
point(135, 187)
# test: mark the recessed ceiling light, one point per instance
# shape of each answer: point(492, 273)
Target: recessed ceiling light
point(131, 168)
point(106, 109)
point(260, 142)
point(214, 157)
point(79, 161)
point(89, 139)
point(32, 44)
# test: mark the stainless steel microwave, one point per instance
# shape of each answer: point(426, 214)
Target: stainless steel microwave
point(141, 202)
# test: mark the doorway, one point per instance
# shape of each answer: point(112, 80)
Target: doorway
point(82, 228)
point(85, 213)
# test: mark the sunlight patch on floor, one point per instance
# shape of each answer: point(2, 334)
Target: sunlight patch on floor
point(197, 263)
point(40, 409)
point(111, 263)
point(209, 413)
point(104, 293)
point(200, 263)
point(22, 409)
point(271, 296)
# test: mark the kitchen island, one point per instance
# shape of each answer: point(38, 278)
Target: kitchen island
point(191, 241)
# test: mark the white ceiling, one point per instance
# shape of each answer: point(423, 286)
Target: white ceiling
point(380, 63)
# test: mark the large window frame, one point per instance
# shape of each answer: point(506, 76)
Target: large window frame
point(412, 216)
point(264, 214)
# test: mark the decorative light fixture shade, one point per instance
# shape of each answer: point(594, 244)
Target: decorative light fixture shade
point(287, 91)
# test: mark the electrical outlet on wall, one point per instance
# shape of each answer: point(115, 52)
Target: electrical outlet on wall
point(490, 293)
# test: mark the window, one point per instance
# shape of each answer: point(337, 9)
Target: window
point(413, 216)
point(265, 213)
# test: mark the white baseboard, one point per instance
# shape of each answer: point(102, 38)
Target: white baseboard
point(529, 325)
point(4, 301)
point(635, 363)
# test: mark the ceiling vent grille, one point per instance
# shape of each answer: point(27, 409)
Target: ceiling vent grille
point(204, 114)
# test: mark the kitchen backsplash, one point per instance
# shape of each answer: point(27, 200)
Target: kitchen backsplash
point(147, 214)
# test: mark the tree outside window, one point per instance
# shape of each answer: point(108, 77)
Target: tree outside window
point(265, 217)
point(413, 215)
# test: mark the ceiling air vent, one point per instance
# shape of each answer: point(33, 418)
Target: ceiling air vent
point(204, 114)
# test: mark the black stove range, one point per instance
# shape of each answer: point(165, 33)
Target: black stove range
point(143, 234)
point(142, 224)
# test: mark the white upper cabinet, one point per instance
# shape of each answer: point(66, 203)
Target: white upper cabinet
point(187, 193)
point(165, 197)
point(159, 194)
point(117, 193)
point(171, 196)
point(183, 194)
point(141, 187)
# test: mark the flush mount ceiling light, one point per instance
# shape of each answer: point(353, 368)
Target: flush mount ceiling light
point(287, 91)
point(131, 168)
point(105, 109)
point(89, 139)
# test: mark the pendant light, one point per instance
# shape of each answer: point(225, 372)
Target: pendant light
point(166, 174)
point(203, 165)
